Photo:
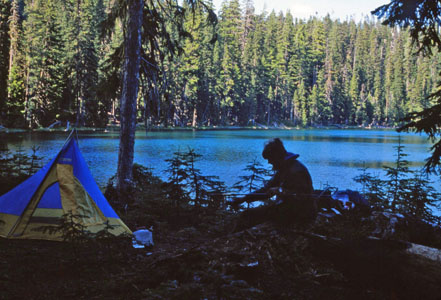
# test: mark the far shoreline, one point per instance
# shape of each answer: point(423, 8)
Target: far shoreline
point(141, 127)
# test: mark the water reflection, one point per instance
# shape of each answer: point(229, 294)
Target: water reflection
point(369, 164)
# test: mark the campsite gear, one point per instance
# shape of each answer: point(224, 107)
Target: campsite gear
point(142, 238)
point(330, 201)
point(350, 199)
point(333, 202)
point(63, 187)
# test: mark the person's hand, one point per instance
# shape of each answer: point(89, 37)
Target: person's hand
point(273, 191)
point(235, 204)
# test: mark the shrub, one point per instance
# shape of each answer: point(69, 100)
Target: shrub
point(403, 191)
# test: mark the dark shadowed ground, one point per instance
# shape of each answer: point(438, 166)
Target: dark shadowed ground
point(208, 262)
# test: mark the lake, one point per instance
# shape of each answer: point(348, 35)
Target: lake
point(333, 156)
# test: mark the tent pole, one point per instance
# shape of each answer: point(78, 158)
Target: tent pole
point(76, 137)
point(69, 137)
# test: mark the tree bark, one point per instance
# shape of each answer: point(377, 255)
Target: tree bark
point(132, 54)
point(195, 117)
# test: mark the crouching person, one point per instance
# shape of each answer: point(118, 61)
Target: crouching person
point(291, 184)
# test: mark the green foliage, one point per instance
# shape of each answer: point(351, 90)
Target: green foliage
point(73, 231)
point(188, 184)
point(177, 180)
point(404, 191)
point(71, 228)
point(428, 121)
point(17, 167)
point(373, 189)
point(144, 203)
point(420, 198)
point(80, 38)
point(79, 239)
point(397, 177)
point(67, 60)
point(422, 17)
point(45, 50)
point(15, 104)
point(5, 11)
point(153, 202)
point(254, 180)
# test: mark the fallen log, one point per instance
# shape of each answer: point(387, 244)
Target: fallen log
point(424, 251)
point(401, 269)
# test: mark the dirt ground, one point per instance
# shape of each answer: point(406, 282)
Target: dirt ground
point(267, 261)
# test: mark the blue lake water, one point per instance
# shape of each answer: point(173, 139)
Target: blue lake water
point(333, 156)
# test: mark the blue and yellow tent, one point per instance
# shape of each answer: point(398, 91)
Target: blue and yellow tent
point(65, 185)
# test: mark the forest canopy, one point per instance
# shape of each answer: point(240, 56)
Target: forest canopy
point(262, 68)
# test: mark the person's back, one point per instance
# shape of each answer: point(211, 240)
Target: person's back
point(295, 190)
point(291, 183)
point(292, 177)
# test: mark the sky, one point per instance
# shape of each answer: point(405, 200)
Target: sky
point(303, 9)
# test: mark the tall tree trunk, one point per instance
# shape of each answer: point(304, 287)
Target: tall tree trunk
point(195, 117)
point(28, 118)
point(14, 36)
point(146, 105)
point(132, 54)
point(268, 110)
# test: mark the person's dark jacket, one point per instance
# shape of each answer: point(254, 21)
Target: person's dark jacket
point(292, 178)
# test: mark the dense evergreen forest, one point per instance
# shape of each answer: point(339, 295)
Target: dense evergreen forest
point(56, 64)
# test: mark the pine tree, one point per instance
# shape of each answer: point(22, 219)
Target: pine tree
point(45, 50)
point(320, 110)
point(140, 29)
point(256, 176)
point(98, 113)
point(187, 183)
point(275, 27)
point(249, 72)
point(398, 94)
point(336, 78)
point(17, 69)
point(376, 59)
point(132, 55)
point(5, 11)
point(206, 94)
point(87, 66)
point(192, 69)
point(283, 57)
point(109, 80)
point(304, 105)
point(356, 74)
point(230, 33)
point(248, 23)
point(259, 73)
